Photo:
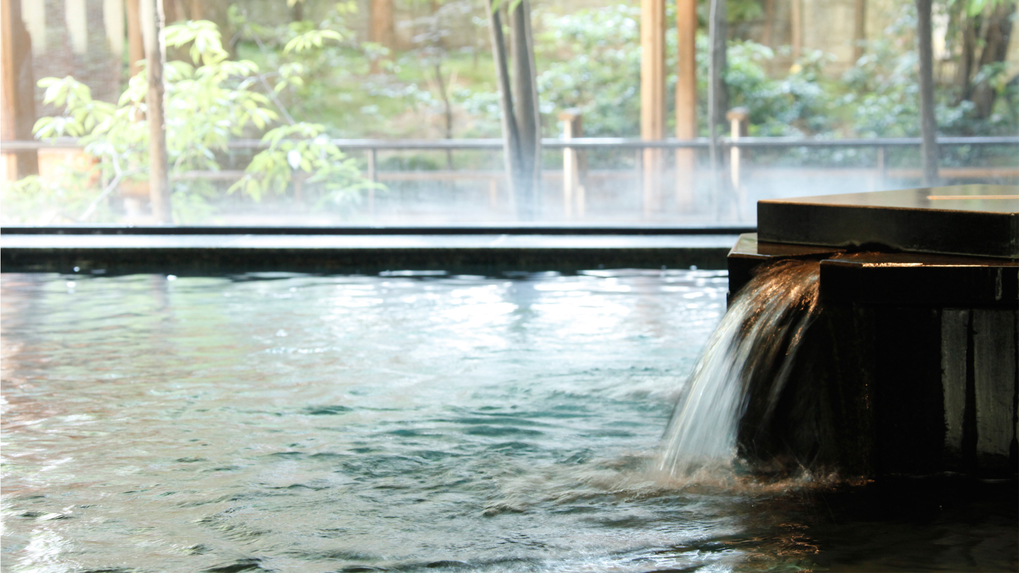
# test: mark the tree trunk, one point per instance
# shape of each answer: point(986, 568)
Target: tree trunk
point(928, 125)
point(768, 33)
point(997, 33)
point(860, 29)
point(159, 185)
point(519, 102)
point(796, 31)
point(964, 71)
point(985, 39)
point(447, 108)
point(525, 98)
point(18, 109)
point(381, 31)
point(382, 23)
point(717, 97)
point(717, 100)
point(719, 61)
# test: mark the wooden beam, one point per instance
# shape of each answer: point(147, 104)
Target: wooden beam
point(686, 99)
point(652, 98)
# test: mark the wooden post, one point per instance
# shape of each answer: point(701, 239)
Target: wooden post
point(686, 100)
point(159, 185)
point(638, 163)
point(652, 98)
point(574, 166)
point(373, 176)
point(882, 168)
point(135, 45)
point(17, 116)
point(113, 21)
point(76, 20)
point(737, 128)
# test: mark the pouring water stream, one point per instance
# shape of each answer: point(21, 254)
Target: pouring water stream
point(752, 350)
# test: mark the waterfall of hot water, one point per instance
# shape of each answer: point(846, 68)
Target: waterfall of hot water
point(749, 356)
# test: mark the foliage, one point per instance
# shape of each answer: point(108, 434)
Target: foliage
point(209, 102)
point(308, 60)
point(303, 147)
point(592, 63)
point(795, 105)
point(596, 68)
point(881, 92)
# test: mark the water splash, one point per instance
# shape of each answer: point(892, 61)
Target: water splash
point(752, 350)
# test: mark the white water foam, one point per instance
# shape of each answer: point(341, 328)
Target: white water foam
point(758, 336)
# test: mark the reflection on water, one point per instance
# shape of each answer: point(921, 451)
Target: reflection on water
point(301, 423)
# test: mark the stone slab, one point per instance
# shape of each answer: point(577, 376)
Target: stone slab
point(920, 279)
point(995, 365)
point(889, 278)
point(955, 325)
point(978, 220)
point(356, 253)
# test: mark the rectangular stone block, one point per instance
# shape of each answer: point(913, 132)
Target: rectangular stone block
point(995, 369)
point(954, 343)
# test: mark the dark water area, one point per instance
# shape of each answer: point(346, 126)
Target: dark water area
point(412, 422)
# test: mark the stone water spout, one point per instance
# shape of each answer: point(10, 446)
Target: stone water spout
point(912, 365)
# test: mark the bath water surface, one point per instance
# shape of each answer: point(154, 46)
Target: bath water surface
point(298, 423)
